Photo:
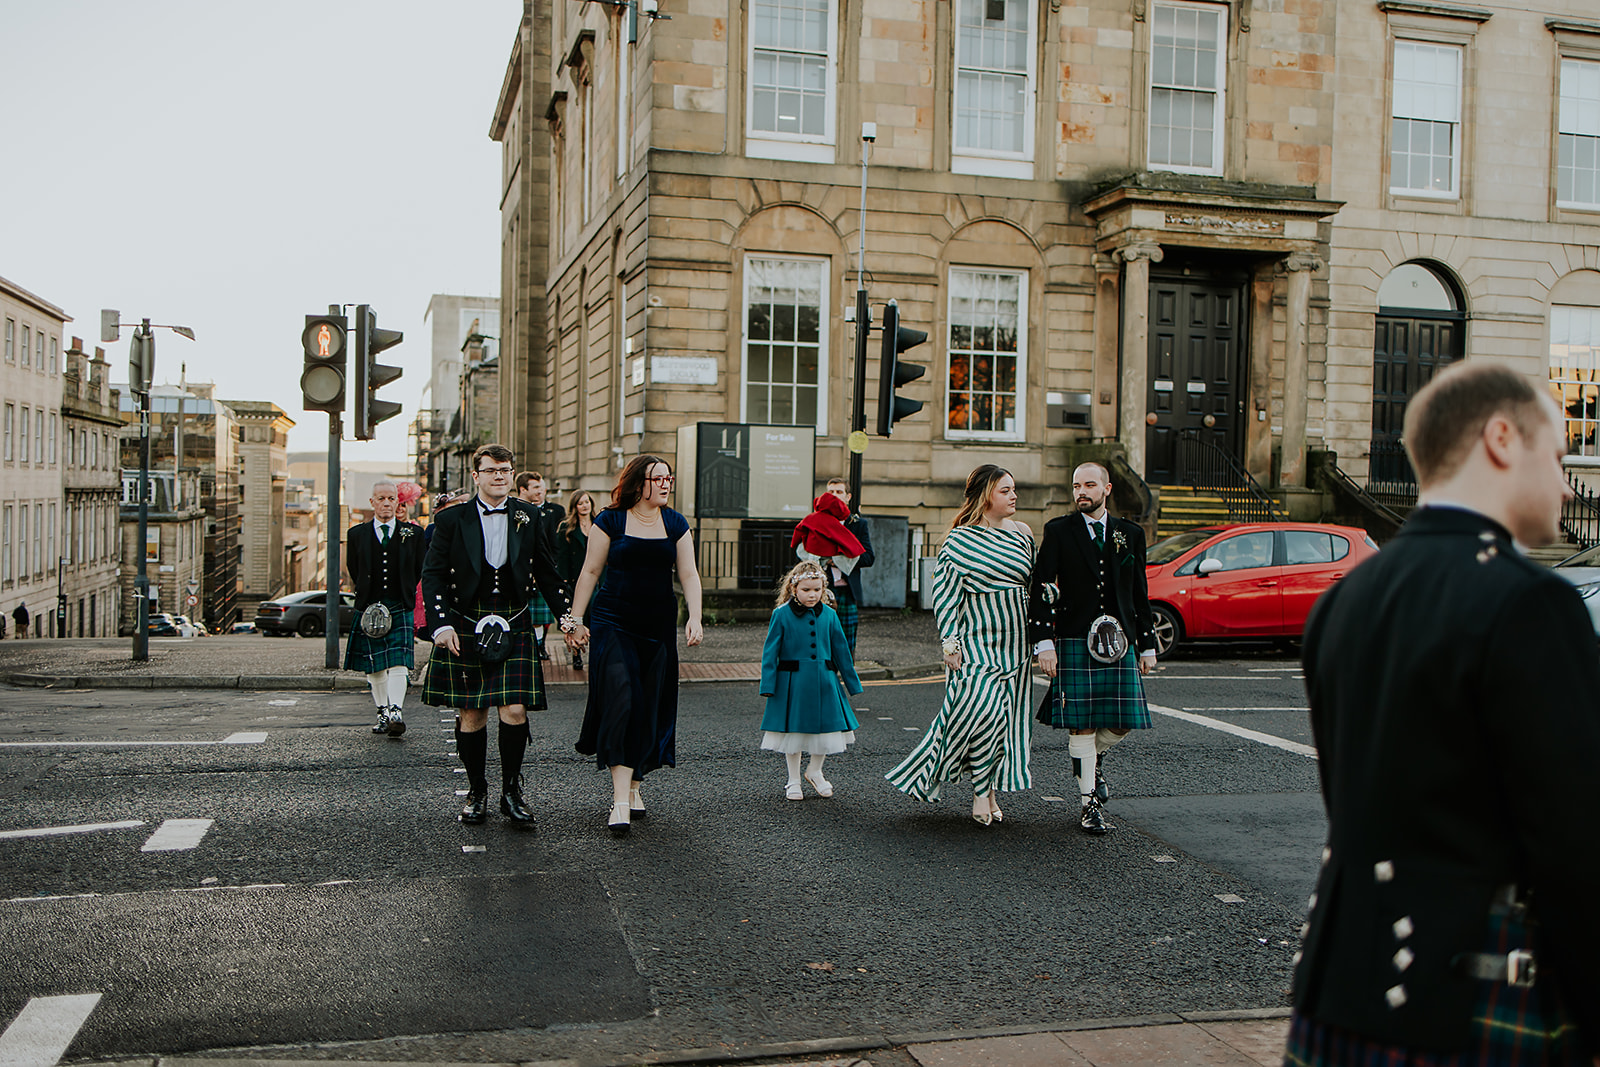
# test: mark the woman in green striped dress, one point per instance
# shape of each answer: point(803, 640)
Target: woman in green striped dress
point(980, 596)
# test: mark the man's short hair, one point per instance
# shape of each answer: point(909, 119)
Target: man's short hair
point(527, 476)
point(1445, 418)
point(381, 482)
point(498, 453)
point(1105, 472)
point(839, 481)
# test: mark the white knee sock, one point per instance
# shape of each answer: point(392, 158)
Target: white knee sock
point(793, 760)
point(816, 763)
point(379, 683)
point(1104, 739)
point(1082, 749)
point(398, 677)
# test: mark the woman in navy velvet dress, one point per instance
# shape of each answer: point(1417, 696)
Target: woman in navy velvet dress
point(630, 724)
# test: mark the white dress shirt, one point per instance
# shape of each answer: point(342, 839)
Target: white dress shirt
point(494, 532)
point(380, 527)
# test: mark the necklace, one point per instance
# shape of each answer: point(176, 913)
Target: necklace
point(656, 521)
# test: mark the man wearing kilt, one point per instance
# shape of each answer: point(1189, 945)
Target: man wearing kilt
point(478, 578)
point(384, 558)
point(1090, 566)
point(1452, 685)
point(847, 587)
point(531, 488)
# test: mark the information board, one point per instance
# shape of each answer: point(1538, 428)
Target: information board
point(753, 471)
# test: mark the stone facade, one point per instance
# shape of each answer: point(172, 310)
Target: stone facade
point(1185, 234)
point(174, 545)
point(263, 480)
point(92, 490)
point(30, 462)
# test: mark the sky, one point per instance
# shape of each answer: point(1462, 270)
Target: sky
point(232, 167)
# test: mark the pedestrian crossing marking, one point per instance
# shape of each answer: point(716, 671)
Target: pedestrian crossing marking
point(177, 835)
point(86, 828)
point(41, 1033)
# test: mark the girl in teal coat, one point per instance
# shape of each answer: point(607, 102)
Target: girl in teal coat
point(805, 656)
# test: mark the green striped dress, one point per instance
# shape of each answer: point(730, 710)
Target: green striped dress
point(980, 595)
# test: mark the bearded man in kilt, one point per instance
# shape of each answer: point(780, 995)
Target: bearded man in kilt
point(384, 558)
point(1091, 565)
point(1455, 925)
point(479, 576)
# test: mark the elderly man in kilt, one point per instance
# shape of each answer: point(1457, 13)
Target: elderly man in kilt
point(384, 558)
point(1455, 924)
point(1089, 573)
point(477, 581)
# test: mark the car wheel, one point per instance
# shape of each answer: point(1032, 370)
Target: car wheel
point(310, 626)
point(1168, 629)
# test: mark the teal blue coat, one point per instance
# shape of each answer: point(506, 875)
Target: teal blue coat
point(801, 665)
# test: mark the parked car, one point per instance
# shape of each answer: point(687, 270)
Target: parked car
point(189, 628)
point(1223, 582)
point(303, 613)
point(243, 628)
point(162, 625)
point(1583, 571)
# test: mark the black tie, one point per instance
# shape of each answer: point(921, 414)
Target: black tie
point(494, 511)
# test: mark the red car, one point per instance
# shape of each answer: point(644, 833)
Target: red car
point(1258, 580)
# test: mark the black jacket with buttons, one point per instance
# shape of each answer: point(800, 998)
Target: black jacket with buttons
point(370, 577)
point(1069, 560)
point(1453, 687)
point(455, 563)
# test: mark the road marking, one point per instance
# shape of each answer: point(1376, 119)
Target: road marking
point(282, 703)
point(1248, 709)
point(474, 848)
point(1265, 670)
point(40, 1035)
point(1229, 898)
point(1164, 859)
point(86, 828)
point(177, 835)
point(247, 738)
point(1203, 677)
point(1238, 731)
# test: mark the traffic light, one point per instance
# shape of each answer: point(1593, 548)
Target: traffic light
point(141, 360)
point(322, 379)
point(892, 373)
point(370, 376)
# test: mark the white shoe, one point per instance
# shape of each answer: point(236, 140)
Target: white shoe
point(823, 787)
point(793, 791)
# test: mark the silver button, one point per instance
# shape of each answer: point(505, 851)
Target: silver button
point(1403, 958)
point(1403, 928)
point(1395, 995)
point(1383, 871)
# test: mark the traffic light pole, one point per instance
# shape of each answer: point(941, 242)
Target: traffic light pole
point(141, 581)
point(330, 619)
point(858, 401)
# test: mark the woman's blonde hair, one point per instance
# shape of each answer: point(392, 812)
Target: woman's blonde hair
point(980, 486)
point(806, 568)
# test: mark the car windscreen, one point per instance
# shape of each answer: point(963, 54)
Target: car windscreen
point(1175, 546)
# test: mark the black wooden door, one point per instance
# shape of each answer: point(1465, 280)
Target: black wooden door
point(1406, 351)
point(1197, 343)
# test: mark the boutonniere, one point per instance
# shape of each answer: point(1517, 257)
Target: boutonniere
point(1119, 539)
point(407, 531)
point(522, 519)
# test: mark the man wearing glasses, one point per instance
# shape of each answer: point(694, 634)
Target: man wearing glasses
point(477, 580)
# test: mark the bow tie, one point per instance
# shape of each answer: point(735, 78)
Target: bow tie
point(493, 511)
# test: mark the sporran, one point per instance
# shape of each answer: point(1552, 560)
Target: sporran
point(1107, 642)
point(494, 639)
point(376, 620)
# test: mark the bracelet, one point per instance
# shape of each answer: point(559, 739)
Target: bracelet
point(950, 646)
point(567, 624)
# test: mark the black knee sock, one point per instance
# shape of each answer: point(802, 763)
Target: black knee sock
point(473, 749)
point(513, 742)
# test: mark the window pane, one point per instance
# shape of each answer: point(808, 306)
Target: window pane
point(789, 67)
point(1575, 374)
point(783, 345)
point(984, 346)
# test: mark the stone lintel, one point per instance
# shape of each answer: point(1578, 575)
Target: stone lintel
point(1445, 11)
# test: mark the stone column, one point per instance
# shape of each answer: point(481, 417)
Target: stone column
point(1296, 368)
point(1107, 307)
point(1136, 345)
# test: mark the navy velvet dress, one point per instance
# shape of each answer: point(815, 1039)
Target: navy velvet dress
point(632, 716)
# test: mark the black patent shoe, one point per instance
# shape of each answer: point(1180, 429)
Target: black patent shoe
point(1101, 793)
point(382, 725)
point(1092, 820)
point(476, 808)
point(577, 661)
point(512, 806)
point(397, 725)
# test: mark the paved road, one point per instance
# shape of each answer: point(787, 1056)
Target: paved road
point(332, 898)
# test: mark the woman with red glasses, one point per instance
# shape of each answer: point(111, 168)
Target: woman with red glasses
point(631, 720)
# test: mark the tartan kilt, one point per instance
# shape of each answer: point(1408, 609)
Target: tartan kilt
point(464, 681)
point(539, 611)
point(394, 649)
point(1511, 1026)
point(1098, 696)
point(849, 616)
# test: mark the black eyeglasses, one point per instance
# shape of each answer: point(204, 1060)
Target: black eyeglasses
point(494, 470)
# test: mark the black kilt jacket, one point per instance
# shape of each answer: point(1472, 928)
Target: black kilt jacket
point(1455, 699)
point(1068, 558)
point(363, 558)
point(454, 564)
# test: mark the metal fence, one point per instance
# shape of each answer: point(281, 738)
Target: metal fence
point(1390, 477)
point(753, 557)
point(1580, 516)
point(1206, 465)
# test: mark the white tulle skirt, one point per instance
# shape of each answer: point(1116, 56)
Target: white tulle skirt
point(817, 744)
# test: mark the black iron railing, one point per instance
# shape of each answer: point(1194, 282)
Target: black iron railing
point(749, 558)
point(1206, 465)
point(1390, 478)
point(1580, 516)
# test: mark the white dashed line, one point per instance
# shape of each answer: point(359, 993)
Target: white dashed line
point(177, 835)
point(1294, 708)
point(86, 828)
point(1237, 731)
point(47, 1025)
point(248, 737)
point(282, 703)
point(474, 848)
